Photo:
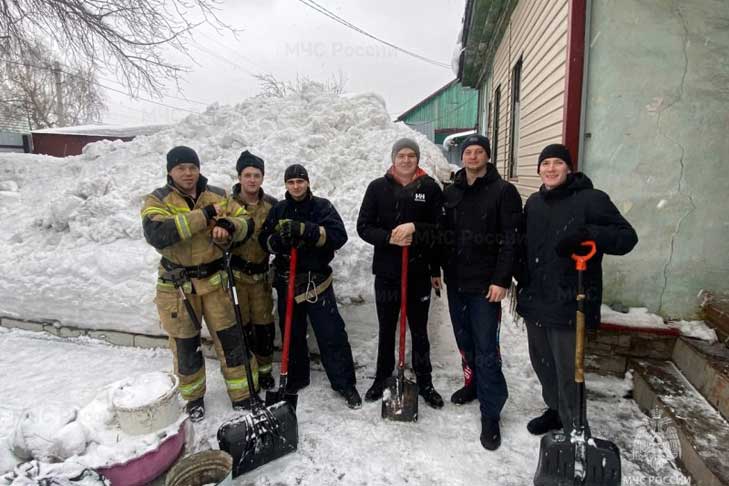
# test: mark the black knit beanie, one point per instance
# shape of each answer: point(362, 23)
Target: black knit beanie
point(247, 159)
point(296, 171)
point(556, 150)
point(476, 140)
point(182, 155)
point(405, 143)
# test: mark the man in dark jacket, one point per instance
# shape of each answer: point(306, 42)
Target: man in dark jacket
point(565, 212)
point(314, 226)
point(401, 210)
point(481, 225)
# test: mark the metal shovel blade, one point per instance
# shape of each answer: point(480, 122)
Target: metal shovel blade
point(400, 399)
point(557, 462)
point(260, 437)
point(280, 395)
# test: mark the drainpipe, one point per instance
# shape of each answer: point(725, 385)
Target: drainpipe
point(577, 20)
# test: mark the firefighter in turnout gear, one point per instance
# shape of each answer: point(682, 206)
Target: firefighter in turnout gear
point(250, 266)
point(179, 221)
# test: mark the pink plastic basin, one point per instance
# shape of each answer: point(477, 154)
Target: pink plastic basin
point(150, 465)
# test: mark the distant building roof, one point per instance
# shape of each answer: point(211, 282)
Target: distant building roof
point(105, 130)
point(13, 125)
point(430, 97)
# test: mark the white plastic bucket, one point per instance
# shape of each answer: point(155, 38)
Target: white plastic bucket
point(151, 417)
point(208, 467)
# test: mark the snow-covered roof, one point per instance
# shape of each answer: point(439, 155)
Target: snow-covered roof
point(9, 124)
point(105, 130)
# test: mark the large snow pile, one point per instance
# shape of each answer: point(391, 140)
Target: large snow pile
point(72, 243)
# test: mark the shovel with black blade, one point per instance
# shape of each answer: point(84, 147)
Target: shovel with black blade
point(400, 398)
point(578, 460)
point(265, 434)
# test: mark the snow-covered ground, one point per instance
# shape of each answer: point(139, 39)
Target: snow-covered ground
point(354, 447)
point(72, 241)
point(72, 250)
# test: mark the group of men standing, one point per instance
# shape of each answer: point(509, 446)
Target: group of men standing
point(475, 231)
point(190, 222)
point(471, 230)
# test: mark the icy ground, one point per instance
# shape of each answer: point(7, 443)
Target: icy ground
point(354, 447)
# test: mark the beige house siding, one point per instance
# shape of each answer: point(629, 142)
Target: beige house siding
point(536, 33)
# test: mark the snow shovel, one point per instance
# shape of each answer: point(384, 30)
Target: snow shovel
point(273, 397)
point(578, 460)
point(265, 434)
point(400, 399)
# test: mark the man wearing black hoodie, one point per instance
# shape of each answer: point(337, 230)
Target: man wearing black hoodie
point(401, 210)
point(565, 212)
point(481, 232)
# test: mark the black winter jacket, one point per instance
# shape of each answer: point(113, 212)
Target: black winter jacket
point(311, 258)
point(481, 226)
point(387, 204)
point(547, 291)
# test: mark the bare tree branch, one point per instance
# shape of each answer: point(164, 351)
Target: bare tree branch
point(129, 36)
point(32, 86)
point(270, 87)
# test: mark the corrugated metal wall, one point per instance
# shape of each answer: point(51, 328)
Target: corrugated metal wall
point(537, 33)
point(456, 107)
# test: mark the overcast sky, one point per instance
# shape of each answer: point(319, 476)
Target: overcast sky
point(286, 38)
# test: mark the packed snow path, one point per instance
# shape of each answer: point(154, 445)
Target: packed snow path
point(338, 445)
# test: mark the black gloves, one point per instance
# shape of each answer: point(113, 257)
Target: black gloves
point(291, 232)
point(310, 235)
point(226, 225)
point(296, 233)
point(209, 211)
point(571, 243)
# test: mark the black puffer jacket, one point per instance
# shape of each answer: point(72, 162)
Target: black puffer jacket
point(385, 205)
point(548, 289)
point(480, 231)
point(311, 258)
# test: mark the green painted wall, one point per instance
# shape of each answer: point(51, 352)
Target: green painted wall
point(455, 107)
point(657, 141)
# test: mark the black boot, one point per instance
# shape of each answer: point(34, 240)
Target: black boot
point(430, 396)
point(490, 434)
point(351, 396)
point(375, 391)
point(266, 381)
point(196, 409)
point(546, 422)
point(464, 395)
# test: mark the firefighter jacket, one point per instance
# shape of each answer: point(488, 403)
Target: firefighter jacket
point(178, 228)
point(250, 259)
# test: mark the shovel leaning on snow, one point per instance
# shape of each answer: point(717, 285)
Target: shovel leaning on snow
point(578, 460)
point(400, 399)
point(265, 434)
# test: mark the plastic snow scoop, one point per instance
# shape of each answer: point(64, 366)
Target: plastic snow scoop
point(578, 459)
point(281, 394)
point(265, 434)
point(400, 398)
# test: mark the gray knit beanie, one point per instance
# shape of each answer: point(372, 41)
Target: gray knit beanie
point(405, 143)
